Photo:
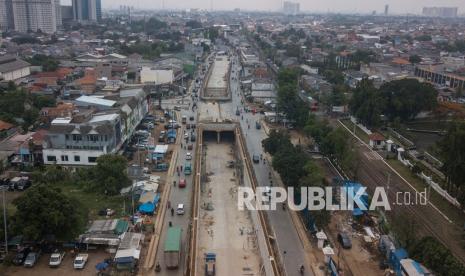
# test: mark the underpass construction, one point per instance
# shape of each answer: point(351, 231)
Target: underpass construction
point(242, 240)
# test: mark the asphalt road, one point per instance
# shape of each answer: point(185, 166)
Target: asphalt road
point(281, 222)
point(178, 195)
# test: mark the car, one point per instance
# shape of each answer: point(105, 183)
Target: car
point(186, 135)
point(177, 108)
point(21, 256)
point(180, 209)
point(56, 258)
point(191, 118)
point(189, 147)
point(188, 126)
point(238, 112)
point(192, 137)
point(344, 240)
point(80, 261)
point(32, 258)
point(182, 183)
point(256, 158)
point(161, 138)
point(188, 156)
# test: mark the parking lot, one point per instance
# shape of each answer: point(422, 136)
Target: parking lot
point(66, 267)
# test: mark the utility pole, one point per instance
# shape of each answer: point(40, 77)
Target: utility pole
point(4, 219)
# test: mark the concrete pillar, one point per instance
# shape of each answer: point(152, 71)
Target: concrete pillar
point(218, 137)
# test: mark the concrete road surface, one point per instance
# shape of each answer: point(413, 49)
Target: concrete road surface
point(281, 222)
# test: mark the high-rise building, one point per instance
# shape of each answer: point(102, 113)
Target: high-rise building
point(440, 11)
point(87, 10)
point(6, 15)
point(291, 8)
point(34, 15)
point(386, 10)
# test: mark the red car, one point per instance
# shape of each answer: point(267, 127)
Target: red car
point(182, 183)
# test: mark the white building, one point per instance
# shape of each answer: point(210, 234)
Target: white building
point(13, 68)
point(157, 76)
point(92, 132)
point(291, 8)
point(44, 15)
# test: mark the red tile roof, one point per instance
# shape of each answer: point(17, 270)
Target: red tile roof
point(5, 126)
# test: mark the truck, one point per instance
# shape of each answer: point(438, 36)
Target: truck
point(80, 261)
point(187, 168)
point(172, 250)
point(210, 264)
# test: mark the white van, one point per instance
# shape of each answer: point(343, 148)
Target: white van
point(180, 209)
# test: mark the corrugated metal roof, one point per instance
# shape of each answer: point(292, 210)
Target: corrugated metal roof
point(95, 100)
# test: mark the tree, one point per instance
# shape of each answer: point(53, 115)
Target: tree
point(367, 104)
point(414, 59)
point(406, 98)
point(288, 99)
point(194, 24)
point(44, 210)
point(435, 256)
point(275, 141)
point(48, 63)
point(452, 150)
point(109, 175)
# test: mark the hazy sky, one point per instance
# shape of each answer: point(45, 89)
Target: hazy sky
point(395, 6)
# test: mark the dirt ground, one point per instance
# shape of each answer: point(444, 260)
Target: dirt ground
point(225, 230)
point(361, 259)
point(66, 267)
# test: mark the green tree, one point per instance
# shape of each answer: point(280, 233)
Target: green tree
point(288, 99)
point(452, 150)
point(275, 141)
point(194, 24)
point(44, 210)
point(110, 174)
point(437, 257)
point(414, 59)
point(367, 104)
point(407, 97)
point(48, 63)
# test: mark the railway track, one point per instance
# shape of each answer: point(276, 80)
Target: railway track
point(374, 172)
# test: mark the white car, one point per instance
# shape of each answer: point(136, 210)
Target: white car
point(80, 261)
point(186, 135)
point(188, 156)
point(180, 209)
point(56, 259)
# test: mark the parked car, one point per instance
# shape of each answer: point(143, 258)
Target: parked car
point(189, 146)
point(344, 240)
point(191, 118)
point(192, 137)
point(21, 256)
point(56, 259)
point(188, 156)
point(80, 261)
point(256, 158)
point(32, 258)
